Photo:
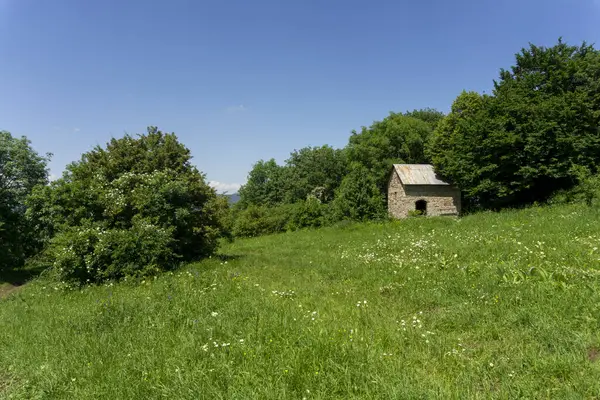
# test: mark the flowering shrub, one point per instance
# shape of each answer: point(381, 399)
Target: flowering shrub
point(93, 254)
point(132, 209)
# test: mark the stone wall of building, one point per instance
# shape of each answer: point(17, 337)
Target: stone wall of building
point(441, 200)
point(396, 195)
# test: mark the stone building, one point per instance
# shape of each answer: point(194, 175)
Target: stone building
point(416, 188)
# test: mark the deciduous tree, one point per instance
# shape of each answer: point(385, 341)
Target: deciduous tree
point(396, 139)
point(21, 169)
point(265, 185)
point(314, 171)
point(532, 136)
point(358, 197)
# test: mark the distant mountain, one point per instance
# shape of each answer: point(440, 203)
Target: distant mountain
point(233, 198)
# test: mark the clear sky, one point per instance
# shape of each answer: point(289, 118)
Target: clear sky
point(242, 80)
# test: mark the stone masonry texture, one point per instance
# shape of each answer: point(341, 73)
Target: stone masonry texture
point(441, 199)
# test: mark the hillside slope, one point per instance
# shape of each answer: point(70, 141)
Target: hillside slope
point(490, 306)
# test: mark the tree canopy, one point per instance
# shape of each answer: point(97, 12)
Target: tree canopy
point(21, 169)
point(358, 197)
point(532, 136)
point(398, 138)
point(430, 116)
point(265, 185)
point(314, 170)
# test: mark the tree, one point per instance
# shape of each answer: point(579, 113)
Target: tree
point(358, 197)
point(469, 146)
point(21, 169)
point(396, 139)
point(429, 115)
point(137, 207)
point(529, 139)
point(314, 171)
point(265, 185)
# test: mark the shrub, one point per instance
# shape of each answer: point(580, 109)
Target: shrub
point(415, 213)
point(142, 186)
point(358, 198)
point(310, 213)
point(262, 220)
point(586, 191)
point(94, 254)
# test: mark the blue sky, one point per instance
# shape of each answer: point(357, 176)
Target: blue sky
point(241, 80)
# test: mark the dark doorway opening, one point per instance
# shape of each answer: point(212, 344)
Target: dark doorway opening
point(421, 207)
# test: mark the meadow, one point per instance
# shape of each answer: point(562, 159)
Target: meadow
point(492, 305)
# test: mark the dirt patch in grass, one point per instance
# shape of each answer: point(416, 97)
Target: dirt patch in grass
point(6, 289)
point(593, 354)
point(12, 281)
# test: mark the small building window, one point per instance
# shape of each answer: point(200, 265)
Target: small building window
point(421, 207)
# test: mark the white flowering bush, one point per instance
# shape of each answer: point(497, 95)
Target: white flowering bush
point(134, 208)
point(92, 254)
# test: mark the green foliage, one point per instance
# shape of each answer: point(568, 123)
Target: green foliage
point(530, 138)
point(397, 138)
point(92, 254)
point(155, 151)
point(263, 220)
point(469, 146)
point(311, 213)
point(429, 115)
point(265, 185)
point(314, 171)
point(587, 191)
point(21, 169)
point(135, 184)
point(415, 213)
point(358, 197)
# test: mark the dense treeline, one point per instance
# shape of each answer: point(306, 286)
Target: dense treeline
point(537, 134)
point(138, 206)
point(319, 186)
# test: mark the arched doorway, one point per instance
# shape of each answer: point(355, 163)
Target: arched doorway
point(421, 207)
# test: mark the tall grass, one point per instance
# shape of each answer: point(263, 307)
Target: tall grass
point(502, 305)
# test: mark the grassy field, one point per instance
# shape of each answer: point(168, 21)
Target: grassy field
point(500, 305)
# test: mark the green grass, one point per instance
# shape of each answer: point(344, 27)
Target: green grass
point(502, 305)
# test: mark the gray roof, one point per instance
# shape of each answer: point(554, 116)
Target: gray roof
point(418, 174)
